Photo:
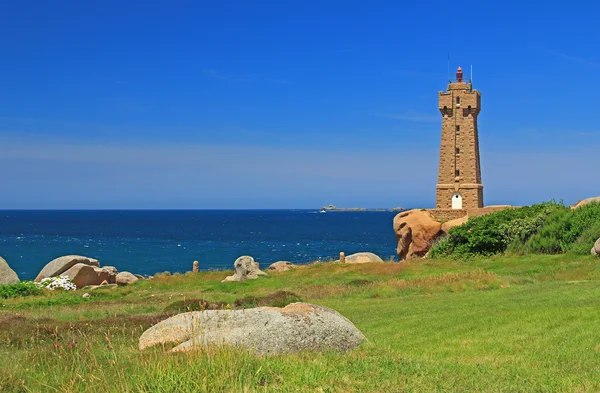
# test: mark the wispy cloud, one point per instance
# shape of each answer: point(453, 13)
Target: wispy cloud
point(577, 59)
point(413, 116)
point(343, 50)
point(242, 78)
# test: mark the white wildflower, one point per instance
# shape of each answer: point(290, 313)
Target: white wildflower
point(52, 283)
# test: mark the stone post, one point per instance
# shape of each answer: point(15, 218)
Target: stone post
point(342, 257)
point(195, 268)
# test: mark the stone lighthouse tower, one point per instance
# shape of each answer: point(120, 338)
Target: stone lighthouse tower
point(459, 178)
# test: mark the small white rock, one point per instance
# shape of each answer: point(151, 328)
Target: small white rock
point(85, 295)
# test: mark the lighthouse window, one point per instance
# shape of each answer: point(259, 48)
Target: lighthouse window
point(458, 100)
point(457, 128)
point(457, 150)
point(457, 172)
point(469, 109)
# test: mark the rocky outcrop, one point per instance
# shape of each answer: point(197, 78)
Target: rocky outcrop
point(454, 223)
point(281, 266)
point(7, 275)
point(585, 202)
point(363, 257)
point(125, 278)
point(82, 275)
point(415, 232)
point(245, 269)
point(596, 248)
point(60, 265)
point(262, 330)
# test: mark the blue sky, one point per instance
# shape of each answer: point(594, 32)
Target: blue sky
point(285, 104)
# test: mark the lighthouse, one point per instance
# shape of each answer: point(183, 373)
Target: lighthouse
point(459, 176)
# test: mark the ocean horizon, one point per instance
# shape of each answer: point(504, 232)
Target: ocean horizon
point(147, 241)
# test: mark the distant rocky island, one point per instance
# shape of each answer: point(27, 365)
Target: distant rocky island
point(333, 208)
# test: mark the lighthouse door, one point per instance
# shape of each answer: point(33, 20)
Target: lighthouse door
point(457, 201)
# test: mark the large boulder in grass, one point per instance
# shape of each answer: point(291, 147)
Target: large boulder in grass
point(245, 269)
point(7, 275)
point(415, 231)
point(281, 266)
point(363, 257)
point(125, 278)
point(585, 202)
point(82, 275)
point(60, 265)
point(262, 330)
point(596, 248)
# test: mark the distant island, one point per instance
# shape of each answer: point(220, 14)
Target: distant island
point(333, 208)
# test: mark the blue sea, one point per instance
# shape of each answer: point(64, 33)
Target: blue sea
point(151, 241)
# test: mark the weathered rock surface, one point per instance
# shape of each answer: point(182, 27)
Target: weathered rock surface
point(83, 275)
point(596, 248)
point(363, 257)
point(60, 265)
point(281, 266)
point(245, 269)
point(415, 232)
point(454, 223)
point(585, 202)
point(7, 275)
point(125, 278)
point(110, 269)
point(262, 330)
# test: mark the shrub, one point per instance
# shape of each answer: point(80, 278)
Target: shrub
point(567, 230)
point(23, 288)
point(586, 240)
point(493, 233)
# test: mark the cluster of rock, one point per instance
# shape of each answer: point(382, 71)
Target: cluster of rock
point(416, 231)
point(246, 268)
point(262, 330)
point(84, 271)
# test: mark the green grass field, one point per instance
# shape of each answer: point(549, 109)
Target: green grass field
point(503, 324)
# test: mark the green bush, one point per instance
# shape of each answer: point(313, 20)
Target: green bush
point(586, 240)
point(494, 233)
point(23, 288)
point(567, 230)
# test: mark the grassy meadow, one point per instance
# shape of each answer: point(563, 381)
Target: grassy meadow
point(498, 324)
